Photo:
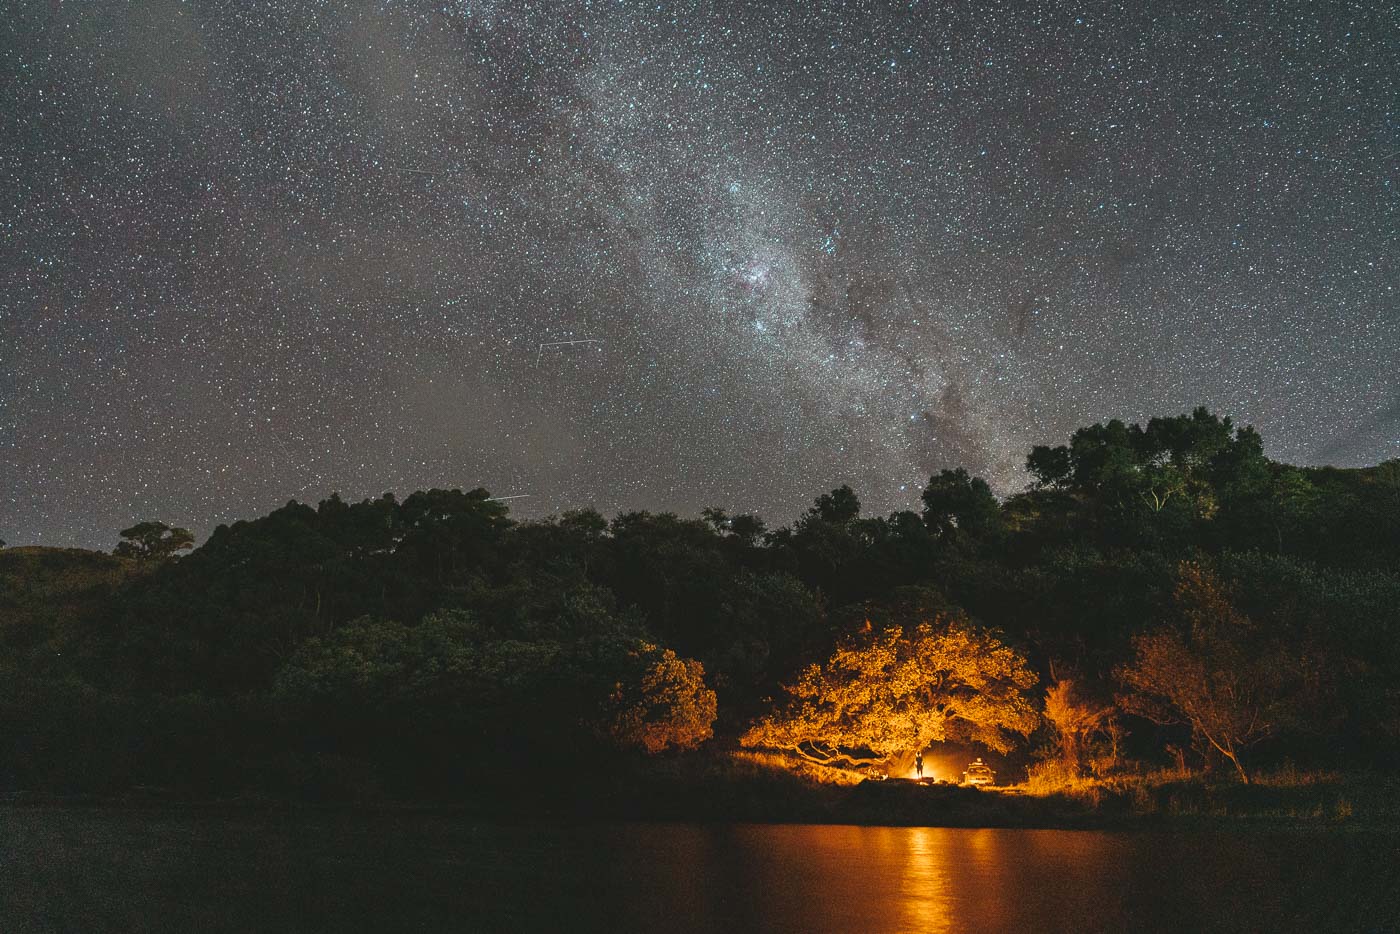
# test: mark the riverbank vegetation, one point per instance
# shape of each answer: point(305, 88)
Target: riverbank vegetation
point(1163, 600)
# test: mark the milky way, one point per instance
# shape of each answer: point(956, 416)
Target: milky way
point(668, 256)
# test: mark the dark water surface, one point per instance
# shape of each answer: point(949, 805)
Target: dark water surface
point(68, 869)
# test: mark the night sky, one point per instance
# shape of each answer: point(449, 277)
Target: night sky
point(260, 251)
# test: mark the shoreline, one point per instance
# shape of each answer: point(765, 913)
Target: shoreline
point(869, 804)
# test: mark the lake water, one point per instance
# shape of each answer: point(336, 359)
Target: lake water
point(67, 869)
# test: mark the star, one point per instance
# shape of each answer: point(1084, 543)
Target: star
point(253, 252)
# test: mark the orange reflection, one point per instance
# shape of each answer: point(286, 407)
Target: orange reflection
point(924, 886)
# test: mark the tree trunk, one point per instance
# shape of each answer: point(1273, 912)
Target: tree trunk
point(1238, 768)
point(1228, 753)
point(1233, 757)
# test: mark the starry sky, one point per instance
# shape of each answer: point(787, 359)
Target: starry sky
point(665, 256)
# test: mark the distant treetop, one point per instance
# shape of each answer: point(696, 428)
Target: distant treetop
point(153, 541)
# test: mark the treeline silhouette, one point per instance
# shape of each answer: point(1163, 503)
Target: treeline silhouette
point(401, 647)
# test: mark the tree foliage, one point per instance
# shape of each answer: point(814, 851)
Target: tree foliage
point(1216, 673)
point(1075, 719)
point(450, 674)
point(1175, 462)
point(664, 704)
point(433, 634)
point(897, 690)
point(153, 541)
point(956, 503)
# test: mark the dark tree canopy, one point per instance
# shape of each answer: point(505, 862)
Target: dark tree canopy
point(1176, 456)
point(153, 541)
point(957, 503)
point(838, 507)
point(420, 642)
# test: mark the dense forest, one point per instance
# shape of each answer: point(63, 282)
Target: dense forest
point(1161, 593)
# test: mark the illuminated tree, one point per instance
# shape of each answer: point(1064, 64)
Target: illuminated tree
point(889, 692)
point(1075, 719)
point(666, 705)
point(1216, 673)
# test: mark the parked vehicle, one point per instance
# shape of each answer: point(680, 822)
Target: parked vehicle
point(978, 773)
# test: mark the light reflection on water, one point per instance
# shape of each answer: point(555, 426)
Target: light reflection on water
point(926, 902)
point(63, 870)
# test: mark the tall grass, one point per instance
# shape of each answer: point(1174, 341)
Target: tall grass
point(1286, 793)
point(795, 765)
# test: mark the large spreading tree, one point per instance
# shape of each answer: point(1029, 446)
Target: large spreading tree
point(1218, 673)
point(153, 541)
point(893, 691)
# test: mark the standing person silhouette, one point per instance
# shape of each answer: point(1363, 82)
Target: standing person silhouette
point(919, 763)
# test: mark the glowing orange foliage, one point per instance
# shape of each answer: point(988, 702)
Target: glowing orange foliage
point(667, 705)
point(889, 692)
